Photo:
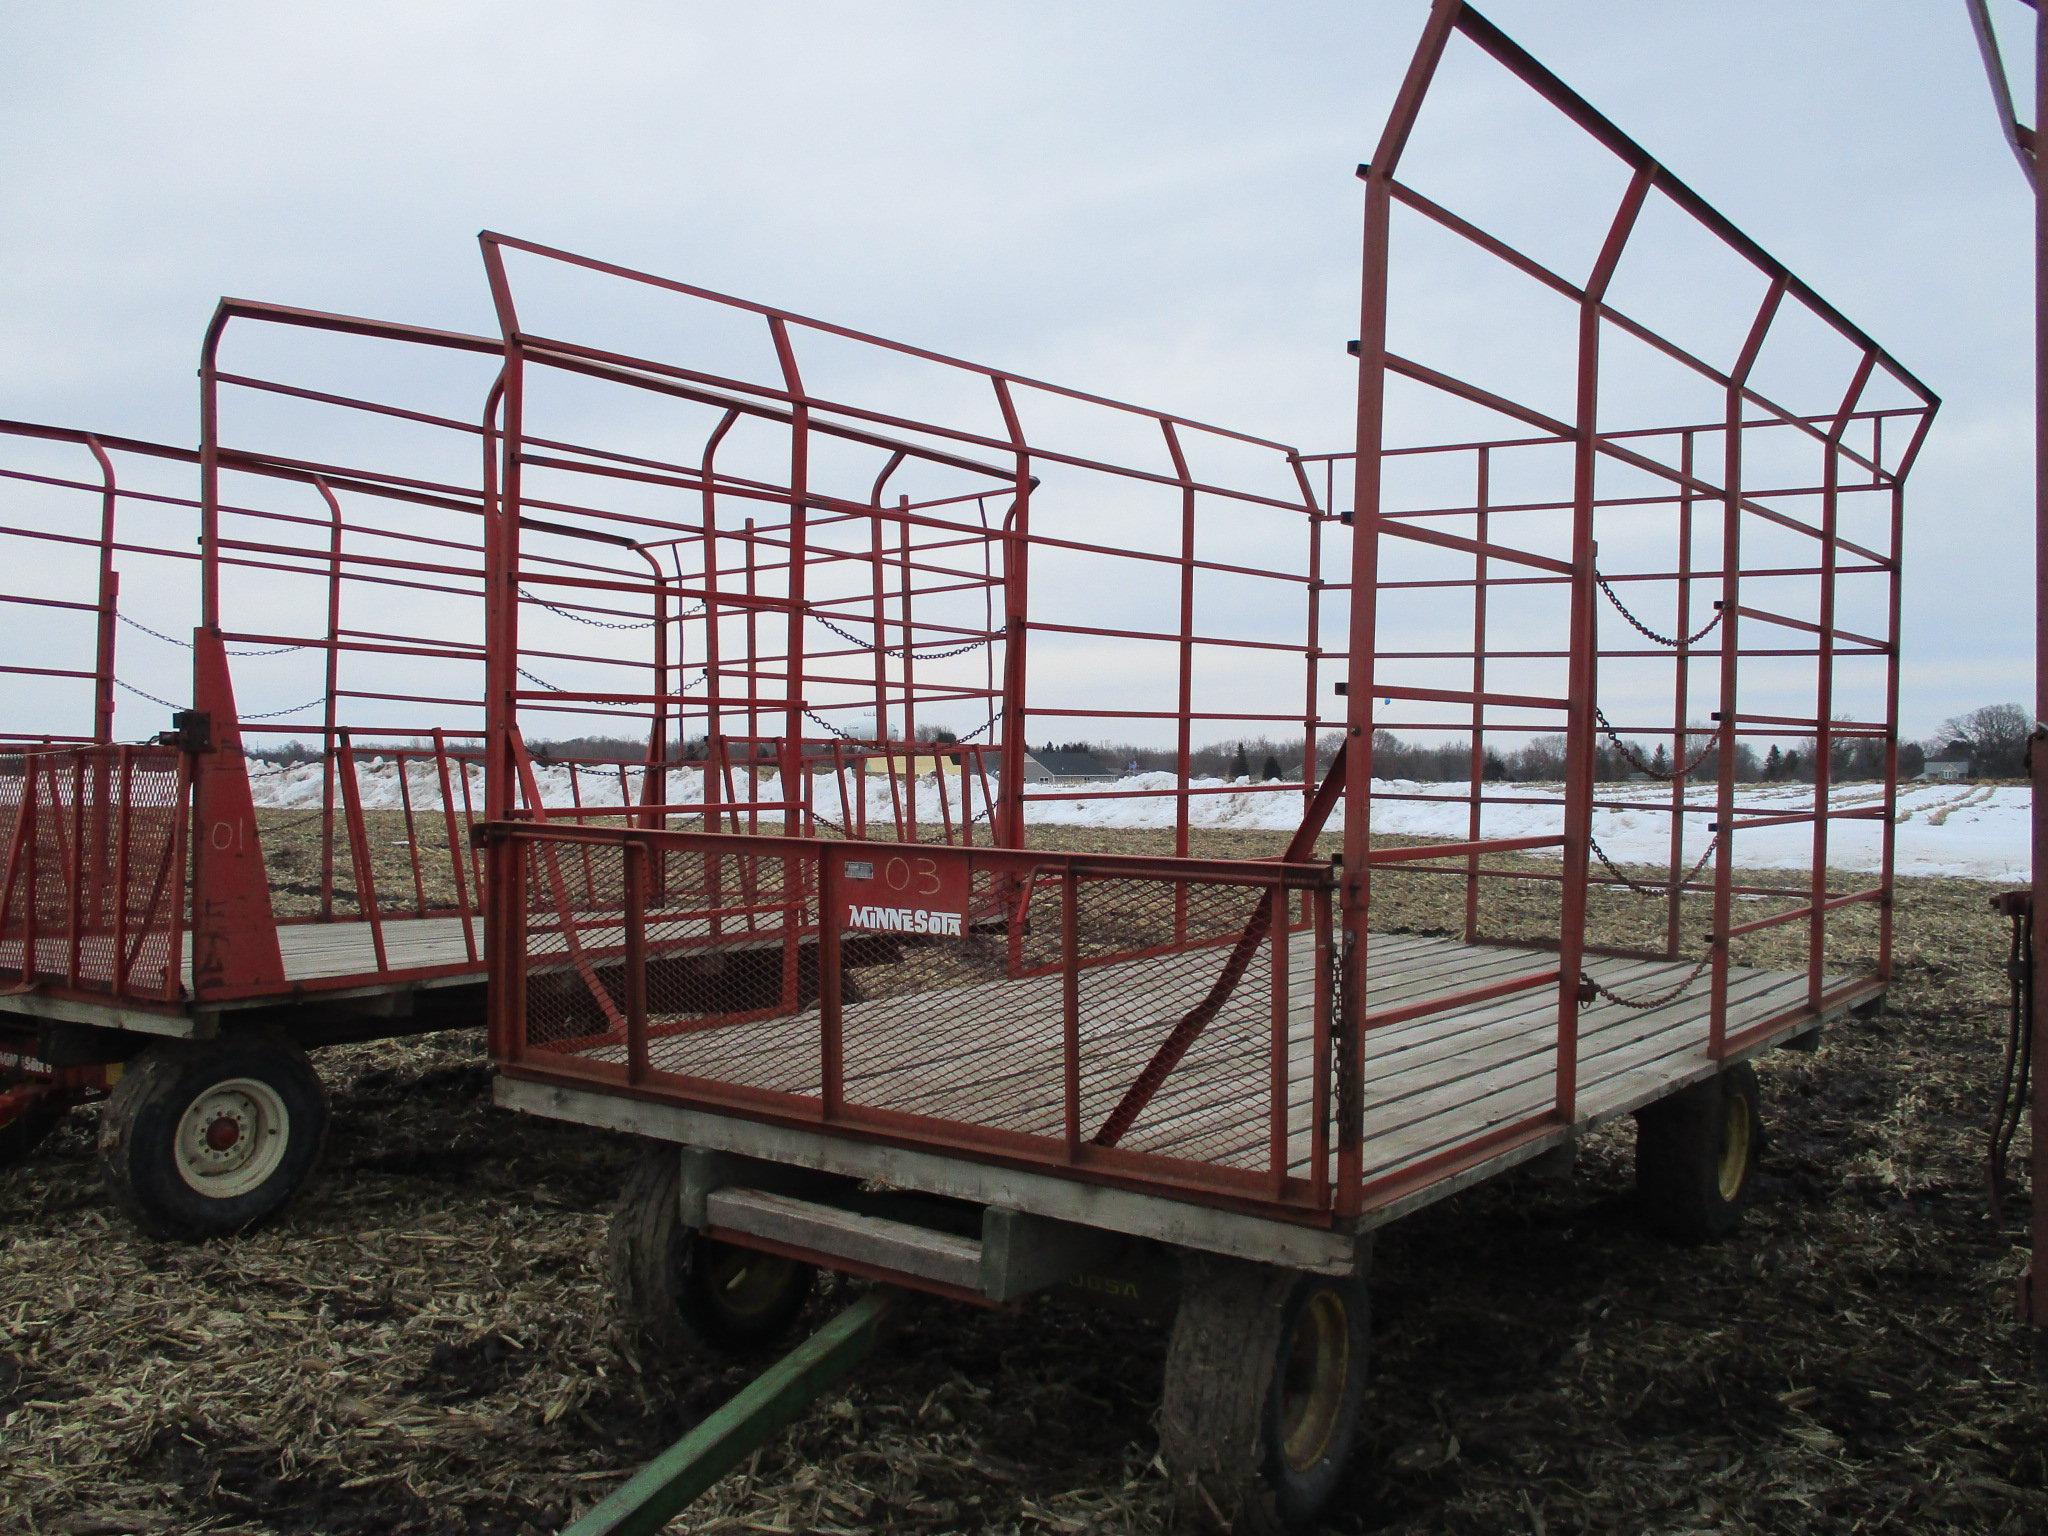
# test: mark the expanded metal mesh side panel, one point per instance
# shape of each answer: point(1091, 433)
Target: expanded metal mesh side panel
point(965, 1029)
point(13, 924)
point(732, 969)
point(575, 950)
point(93, 884)
point(1212, 1108)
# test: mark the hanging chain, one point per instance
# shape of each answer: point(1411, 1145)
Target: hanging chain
point(1636, 759)
point(141, 694)
point(584, 618)
point(272, 714)
point(903, 650)
point(1643, 1004)
point(1652, 890)
point(1648, 633)
point(540, 682)
point(276, 650)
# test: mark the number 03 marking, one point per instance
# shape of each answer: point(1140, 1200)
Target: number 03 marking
point(920, 874)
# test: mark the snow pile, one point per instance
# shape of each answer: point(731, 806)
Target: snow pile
point(1974, 831)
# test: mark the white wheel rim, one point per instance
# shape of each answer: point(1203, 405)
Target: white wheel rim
point(232, 1138)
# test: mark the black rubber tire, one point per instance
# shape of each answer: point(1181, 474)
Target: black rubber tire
point(21, 1135)
point(1681, 1145)
point(665, 1276)
point(1222, 1422)
point(139, 1127)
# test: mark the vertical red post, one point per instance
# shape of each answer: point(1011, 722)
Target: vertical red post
point(1008, 822)
point(1070, 1008)
point(1585, 646)
point(1824, 685)
point(906, 821)
point(1473, 821)
point(109, 598)
point(1183, 742)
point(1731, 665)
point(1681, 742)
point(831, 1038)
point(330, 703)
point(506, 892)
point(633, 872)
point(1278, 1054)
point(1894, 595)
point(714, 714)
point(1348, 1027)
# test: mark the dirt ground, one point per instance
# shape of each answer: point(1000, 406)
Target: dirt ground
point(421, 1343)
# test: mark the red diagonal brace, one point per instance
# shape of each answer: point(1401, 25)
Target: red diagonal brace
point(1196, 1019)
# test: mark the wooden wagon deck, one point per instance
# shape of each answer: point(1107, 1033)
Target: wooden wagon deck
point(988, 1055)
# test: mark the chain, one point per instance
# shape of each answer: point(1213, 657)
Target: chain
point(272, 714)
point(273, 770)
point(1636, 758)
point(584, 618)
point(276, 650)
point(269, 714)
point(903, 650)
point(1648, 633)
point(540, 682)
point(1651, 890)
point(984, 728)
point(1642, 1004)
point(140, 694)
point(817, 719)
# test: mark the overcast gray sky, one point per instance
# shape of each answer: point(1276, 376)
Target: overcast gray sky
point(1155, 201)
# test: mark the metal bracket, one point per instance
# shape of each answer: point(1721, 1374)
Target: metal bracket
point(191, 731)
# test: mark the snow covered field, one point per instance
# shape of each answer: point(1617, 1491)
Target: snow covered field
point(1967, 830)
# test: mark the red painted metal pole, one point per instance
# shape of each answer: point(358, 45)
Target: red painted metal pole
point(1681, 744)
point(1585, 646)
point(1482, 492)
point(1824, 686)
point(110, 599)
point(1010, 728)
point(1731, 658)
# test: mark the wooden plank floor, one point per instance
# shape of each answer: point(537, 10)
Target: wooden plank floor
point(323, 951)
point(989, 1054)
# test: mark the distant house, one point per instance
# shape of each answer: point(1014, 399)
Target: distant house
point(1050, 767)
point(1951, 762)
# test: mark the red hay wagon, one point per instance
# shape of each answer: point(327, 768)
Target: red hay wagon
point(821, 936)
point(1061, 1061)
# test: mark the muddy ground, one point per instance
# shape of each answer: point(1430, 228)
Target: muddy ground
point(421, 1343)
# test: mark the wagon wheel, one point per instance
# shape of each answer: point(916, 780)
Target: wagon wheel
point(678, 1294)
point(1265, 1382)
point(1696, 1156)
point(211, 1137)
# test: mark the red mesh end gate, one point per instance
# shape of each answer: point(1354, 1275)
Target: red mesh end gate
point(92, 870)
point(980, 1001)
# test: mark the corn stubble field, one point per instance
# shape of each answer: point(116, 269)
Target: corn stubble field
point(421, 1343)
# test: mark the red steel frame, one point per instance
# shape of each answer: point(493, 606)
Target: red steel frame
point(834, 593)
point(1866, 433)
